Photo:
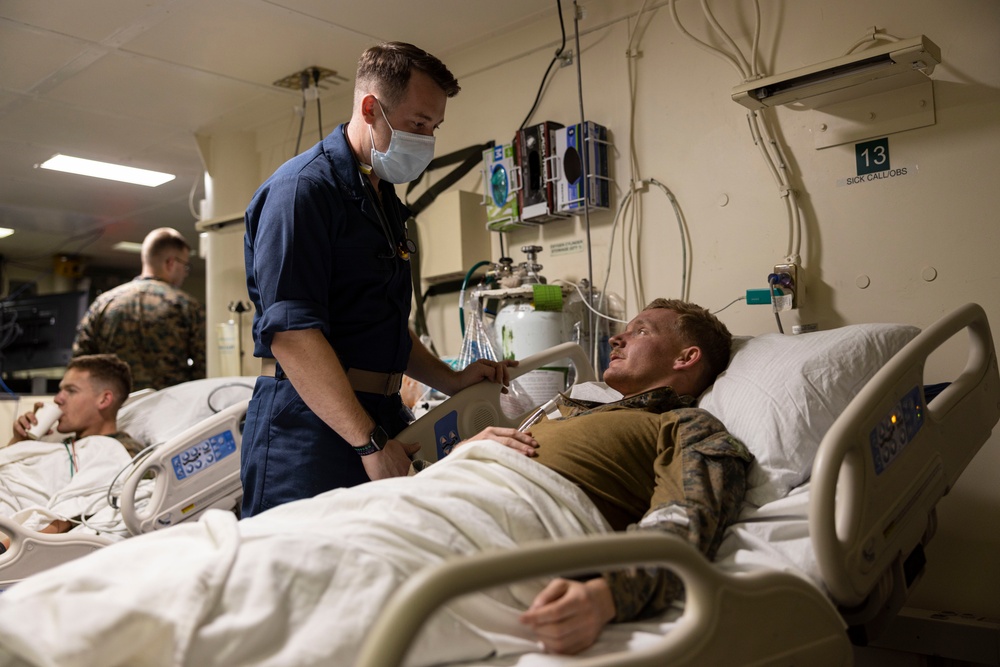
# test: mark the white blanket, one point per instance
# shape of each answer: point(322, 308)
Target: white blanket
point(302, 583)
point(41, 480)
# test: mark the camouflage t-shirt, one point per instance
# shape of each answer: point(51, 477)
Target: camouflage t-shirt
point(154, 326)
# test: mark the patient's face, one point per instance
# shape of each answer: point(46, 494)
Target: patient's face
point(78, 399)
point(642, 357)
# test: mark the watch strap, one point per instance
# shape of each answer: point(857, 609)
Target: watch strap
point(376, 441)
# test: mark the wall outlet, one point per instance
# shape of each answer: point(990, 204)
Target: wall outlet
point(789, 281)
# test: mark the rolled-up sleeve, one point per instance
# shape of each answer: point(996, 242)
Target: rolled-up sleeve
point(290, 237)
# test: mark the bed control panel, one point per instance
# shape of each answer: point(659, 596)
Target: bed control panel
point(203, 455)
point(896, 430)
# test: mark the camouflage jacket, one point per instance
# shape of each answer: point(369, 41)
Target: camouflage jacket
point(699, 484)
point(157, 328)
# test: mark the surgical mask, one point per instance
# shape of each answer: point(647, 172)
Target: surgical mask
point(405, 159)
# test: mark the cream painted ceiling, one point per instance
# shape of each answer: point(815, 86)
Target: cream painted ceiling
point(133, 81)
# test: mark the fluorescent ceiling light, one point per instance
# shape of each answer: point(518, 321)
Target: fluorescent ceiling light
point(5, 232)
point(114, 172)
point(128, 246)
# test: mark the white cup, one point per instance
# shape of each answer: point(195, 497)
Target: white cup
point(47, 416)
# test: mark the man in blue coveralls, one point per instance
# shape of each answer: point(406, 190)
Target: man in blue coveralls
point(327, 263)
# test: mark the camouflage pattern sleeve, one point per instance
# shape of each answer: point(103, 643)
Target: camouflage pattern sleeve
point(700, 483)
point(85, 341)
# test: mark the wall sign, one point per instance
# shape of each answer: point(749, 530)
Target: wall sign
point(873, 165)
point(872, 156)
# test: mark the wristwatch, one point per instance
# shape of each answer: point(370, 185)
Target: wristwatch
point(376, 441)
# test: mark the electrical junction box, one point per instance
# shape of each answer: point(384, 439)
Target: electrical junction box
point(502, 182)
point(453, 236)
point(581, 147)
point(788, 289)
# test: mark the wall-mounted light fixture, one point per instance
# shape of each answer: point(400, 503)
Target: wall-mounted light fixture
point(874, 70)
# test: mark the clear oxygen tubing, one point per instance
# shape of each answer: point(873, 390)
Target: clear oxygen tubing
point(461, 294)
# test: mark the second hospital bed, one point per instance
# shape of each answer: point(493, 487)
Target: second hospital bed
point(191, 433)
point(852, 457)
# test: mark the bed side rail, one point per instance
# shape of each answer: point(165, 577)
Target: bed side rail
point(32, 552)
point(722, 614)
point(889, 458)
point(477, 407)
point(196, 470)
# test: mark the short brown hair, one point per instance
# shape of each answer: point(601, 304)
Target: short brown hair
point(160, 242)
point(697, 326)
point(107, 371)
point(385, 68)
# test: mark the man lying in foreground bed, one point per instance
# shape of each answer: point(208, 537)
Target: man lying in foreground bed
point(46, 485)
point(302, 583)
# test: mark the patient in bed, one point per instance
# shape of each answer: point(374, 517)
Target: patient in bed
point(44, 485)
point(302, 583)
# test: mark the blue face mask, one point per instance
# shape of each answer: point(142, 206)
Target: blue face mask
point(405, 159)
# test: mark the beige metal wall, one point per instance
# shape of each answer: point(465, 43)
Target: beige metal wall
point(693, 138)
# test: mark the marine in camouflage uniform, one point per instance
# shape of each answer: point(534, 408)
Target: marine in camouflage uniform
point(153, 326)
point(649, 462)
point(150, 322)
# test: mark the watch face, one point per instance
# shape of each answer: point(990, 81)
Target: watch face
point(379, 438)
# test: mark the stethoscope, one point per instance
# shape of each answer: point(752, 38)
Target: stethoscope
point(403, 249)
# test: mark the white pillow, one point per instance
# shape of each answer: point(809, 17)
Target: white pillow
point(780, 395)
point(154, 419)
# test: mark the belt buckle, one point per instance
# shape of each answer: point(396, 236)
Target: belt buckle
point(392, 383)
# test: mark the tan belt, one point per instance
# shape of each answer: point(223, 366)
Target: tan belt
point(370, 382)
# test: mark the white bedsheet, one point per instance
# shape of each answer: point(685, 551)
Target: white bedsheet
point(38, 481)
point(774, 536)
point(301, 584)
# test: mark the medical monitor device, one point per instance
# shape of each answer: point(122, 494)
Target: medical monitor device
point(38, 331)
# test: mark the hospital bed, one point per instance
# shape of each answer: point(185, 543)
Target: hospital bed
point(850, 463)
point(184, 471)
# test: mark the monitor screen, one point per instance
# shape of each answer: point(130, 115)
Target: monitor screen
point(38, 331)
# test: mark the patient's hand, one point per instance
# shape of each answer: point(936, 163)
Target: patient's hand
point(568, 616)
point(23, 423)
point(511, 437)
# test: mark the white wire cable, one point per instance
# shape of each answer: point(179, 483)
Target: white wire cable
point(740, 298)
point(873, 35)
point(744, 65)
point(704, 45)
point(770, 150)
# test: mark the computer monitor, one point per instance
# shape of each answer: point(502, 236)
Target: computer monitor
point(38, 331)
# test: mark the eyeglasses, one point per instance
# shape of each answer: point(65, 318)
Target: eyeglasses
point(187, 265)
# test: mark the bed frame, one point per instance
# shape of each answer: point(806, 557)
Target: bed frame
point(195, 471)
point(877, 477)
